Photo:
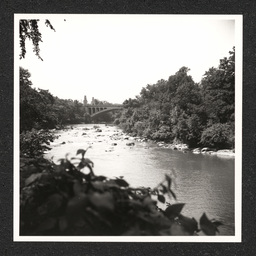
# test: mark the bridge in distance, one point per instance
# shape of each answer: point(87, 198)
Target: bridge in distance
point(96, 109)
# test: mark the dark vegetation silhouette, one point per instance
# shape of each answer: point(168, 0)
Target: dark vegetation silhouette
point(39, 109)
point(29, 30)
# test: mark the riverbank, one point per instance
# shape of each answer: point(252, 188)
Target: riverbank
point(185, 148)
point(119, 135)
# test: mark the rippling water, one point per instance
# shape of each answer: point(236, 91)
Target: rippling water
point(204, 182)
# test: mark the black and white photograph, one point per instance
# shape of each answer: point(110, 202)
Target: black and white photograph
point(127, 127)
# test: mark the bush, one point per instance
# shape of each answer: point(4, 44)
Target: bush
point(139, 128)
point(35, 142)
point(63, 200)
point(218, 136)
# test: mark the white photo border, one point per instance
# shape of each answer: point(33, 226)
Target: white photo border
point(238, 142)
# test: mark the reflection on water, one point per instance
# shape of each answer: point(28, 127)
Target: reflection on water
point(205, 183)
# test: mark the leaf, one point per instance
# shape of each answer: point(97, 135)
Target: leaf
point(100, 178)
point(65, 164)
point(111, 184)
point(164, 190)
point(81, 151)
point(48, 23)
point(76, 205)
point(32, 178)
point(161, 198)
point(74, 158)
point(178, 230)
point(169, 181)
point(217, 223)
point(189, 224)
point(155, 192)
point(85, 162)
point(173, 194)
point(98, 185)
point(207, 226)
point(104, 202)
point(174, 210)
point(121, 183)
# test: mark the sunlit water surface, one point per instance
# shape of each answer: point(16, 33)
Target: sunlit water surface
point(204, 182)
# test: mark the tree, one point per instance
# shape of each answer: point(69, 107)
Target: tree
point(39, 109)
point(29, 113)
point(218, 136)
point(218, 89)
point(29, 30)
point(36, 106)
point(180, 109)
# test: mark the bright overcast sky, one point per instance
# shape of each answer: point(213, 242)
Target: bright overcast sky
point(111, 57)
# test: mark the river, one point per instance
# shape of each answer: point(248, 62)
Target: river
point(205, 183)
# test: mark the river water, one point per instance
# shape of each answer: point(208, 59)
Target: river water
point(205, 183)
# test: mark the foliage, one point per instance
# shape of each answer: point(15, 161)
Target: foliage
point(163, 110)
point(218, 89)
point(35, 105)
point(178, 109)
point(69, 199)
point(39, 109)
point(68, 111)
point(35, 142)
point(218, 135)
point(29, 30)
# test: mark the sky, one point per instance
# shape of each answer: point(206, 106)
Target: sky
point(111, 57)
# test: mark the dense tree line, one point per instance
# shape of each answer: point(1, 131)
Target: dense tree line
point(39, 109)
point(180, 110)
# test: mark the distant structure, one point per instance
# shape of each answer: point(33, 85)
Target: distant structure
point(93, 101)
point(93, 110)
point(85, 100)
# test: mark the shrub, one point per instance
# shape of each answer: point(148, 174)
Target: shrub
point(163, 133)
point(218, 135)
point(35, 142)
point(61, 199)
point(139, 127)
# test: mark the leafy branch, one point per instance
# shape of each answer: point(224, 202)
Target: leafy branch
point(29, 30)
